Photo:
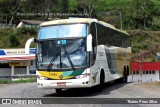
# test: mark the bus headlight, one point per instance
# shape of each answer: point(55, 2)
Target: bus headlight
point(83, 76)
point(42, 78)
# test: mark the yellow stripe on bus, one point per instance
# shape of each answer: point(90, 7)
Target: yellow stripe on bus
point(53, 75)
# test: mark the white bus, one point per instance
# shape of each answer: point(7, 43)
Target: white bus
point(79, 53)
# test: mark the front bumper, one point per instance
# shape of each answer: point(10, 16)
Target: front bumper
point(71, 83)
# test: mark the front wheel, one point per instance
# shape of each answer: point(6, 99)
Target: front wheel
point(101, 82)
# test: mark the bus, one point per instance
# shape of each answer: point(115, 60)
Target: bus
point(81, 53)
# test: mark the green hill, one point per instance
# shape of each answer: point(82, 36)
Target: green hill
point(140, 21)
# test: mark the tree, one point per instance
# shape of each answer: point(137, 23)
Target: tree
point(86, 7)
point(64, 5)
point(14, 41)
point(48, 4)
point(142, 12)
point(9, 8)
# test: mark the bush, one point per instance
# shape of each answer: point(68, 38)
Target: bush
point(27, 30)
point(16, 38)
point(14, 42)
point(29, 80)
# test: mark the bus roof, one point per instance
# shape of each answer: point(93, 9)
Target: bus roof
point(112, 27)
point(80, 20)
point(66, 21)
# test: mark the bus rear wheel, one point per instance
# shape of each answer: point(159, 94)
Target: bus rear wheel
point(58, 91)
point(125, 74)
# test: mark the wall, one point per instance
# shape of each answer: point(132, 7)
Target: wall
point(18, 71)
point(145, 77)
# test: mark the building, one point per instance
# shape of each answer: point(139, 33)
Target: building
point(15, 62)
point(144, 72)
point(29, 23)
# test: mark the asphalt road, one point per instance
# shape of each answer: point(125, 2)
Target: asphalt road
point(111, 90)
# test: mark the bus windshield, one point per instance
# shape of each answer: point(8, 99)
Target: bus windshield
point(62, 54)
point(60, 31)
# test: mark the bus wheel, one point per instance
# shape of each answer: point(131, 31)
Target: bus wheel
point(125, 74)
point(101, 81)
point(128, 71)
point(58, 90)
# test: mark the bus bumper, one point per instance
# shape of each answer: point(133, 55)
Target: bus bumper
point(71, 83)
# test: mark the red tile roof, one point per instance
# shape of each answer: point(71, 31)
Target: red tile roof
point(145, 66)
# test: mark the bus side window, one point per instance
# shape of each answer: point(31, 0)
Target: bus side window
point(93, 31)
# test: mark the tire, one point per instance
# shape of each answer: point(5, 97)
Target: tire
point(101, 82)
point(125, 74)
point(128, 71)
point(58, 91)
point(124, 78)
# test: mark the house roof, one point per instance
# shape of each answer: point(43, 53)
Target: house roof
point(33, 22)
point(145, 66)
point(4, 58)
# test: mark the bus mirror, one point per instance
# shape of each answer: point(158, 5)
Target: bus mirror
point(89, 43)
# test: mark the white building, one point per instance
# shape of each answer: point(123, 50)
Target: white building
point(144, 72)
point(15, 62)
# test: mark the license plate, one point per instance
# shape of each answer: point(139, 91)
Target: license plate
point(61, 84)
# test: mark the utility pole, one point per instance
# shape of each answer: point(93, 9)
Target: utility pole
point(140, 65)
point(120, 16)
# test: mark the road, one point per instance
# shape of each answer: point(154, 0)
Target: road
point(111, 90)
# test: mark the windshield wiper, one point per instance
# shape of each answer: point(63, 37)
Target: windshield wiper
point(52, 60)
point(69, 59)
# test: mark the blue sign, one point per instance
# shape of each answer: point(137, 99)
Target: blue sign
point(2, 52)
point(16, 51)
point(32, 51)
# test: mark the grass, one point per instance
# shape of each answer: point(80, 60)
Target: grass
point(30, 80)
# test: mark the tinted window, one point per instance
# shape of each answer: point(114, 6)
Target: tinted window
point(111, 37)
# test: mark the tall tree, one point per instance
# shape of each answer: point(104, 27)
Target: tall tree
point(13, 7)
point(64, 5)
point(142, 12)
point(40, 7)
point(86, 7)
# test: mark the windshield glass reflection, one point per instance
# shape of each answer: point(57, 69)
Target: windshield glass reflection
point(63, 54)
point(59, 31)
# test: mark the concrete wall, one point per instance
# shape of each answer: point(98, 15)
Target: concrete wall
point(7, 71)
point(18, 71)
point(144, 77)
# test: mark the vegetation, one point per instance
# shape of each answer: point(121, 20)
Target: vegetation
point(145, 43)
point(18, 81)
point(16, 38)
point(141, 18)
point(134, 14)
